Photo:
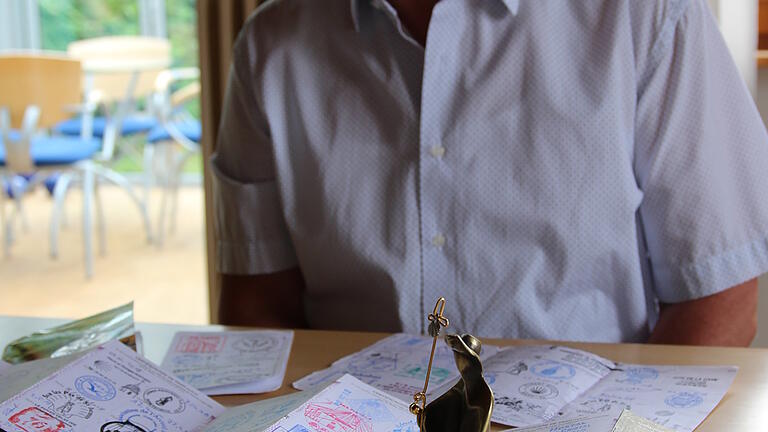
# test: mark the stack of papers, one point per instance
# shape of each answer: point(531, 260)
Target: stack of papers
point(109, 389)
point(349, 405)
point(396, 365)
point(230, 362)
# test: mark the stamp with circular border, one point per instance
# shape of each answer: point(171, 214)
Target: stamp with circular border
point(254, 343)
point(164, 400)
point(95, 388)
point(684, 400)
point(145, 419)
point(539, 390)
point(553, 370)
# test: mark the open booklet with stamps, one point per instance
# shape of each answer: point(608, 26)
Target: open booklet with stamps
point(396, 364)
point(533, 385)
point(349, 405)
point(232, 362)
point(109, 389)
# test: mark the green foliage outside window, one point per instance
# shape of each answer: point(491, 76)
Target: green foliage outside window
point(66, 21)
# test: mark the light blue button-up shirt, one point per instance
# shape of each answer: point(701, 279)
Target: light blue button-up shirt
point(554, 168)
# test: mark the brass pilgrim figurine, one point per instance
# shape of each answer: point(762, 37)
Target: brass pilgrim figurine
point(467, 406)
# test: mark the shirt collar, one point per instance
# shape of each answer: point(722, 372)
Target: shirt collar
point(512, 5)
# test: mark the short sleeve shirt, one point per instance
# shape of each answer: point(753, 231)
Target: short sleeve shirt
point(554, 169)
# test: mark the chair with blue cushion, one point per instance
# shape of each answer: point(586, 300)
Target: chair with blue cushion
point(131, 125)
point(178, 134)
point(121, 70)
point(36, 92)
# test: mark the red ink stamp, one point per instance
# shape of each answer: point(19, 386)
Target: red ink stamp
point(200, 344)
point(35, 420)
point(329, 417)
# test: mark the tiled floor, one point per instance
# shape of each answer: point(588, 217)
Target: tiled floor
point(167, 284)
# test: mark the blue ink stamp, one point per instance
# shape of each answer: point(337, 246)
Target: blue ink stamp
point(490, 377)
point(638, 375)
point(373, 409)
point(375, 362)
point(684, 400)
point(95, 388)
point(553, 370)
point(410, 426)
point(298, 428)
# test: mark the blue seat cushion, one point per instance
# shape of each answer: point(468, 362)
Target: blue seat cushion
point(131, 125)
point(48, 151)
point(190, 129)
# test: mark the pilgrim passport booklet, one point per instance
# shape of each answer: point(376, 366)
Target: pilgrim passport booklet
point(112, 389)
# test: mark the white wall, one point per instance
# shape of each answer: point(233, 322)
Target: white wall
point(762, 105)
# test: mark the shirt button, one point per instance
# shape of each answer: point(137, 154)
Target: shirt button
point(437, 151)
point(438, 241)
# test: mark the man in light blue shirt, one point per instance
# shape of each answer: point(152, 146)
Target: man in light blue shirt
point(576, 170)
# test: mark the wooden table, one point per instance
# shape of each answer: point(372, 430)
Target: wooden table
point(744, 408)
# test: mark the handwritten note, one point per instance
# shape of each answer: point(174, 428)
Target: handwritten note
point(230, 362)
point(349, 405)
point(109, 389)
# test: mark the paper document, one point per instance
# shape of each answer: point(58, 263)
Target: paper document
point(532, 384)
point(631, 422)
point(258, 416)
point(677, 397)
point(349, 405)
point(109, 389)
point(601, 423)
point(234, 362)
point(397, 365)
point(4, 366)
point(536, 384)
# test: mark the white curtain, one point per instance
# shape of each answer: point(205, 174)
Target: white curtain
point(19, 25)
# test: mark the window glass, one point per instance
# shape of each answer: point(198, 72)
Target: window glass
point(65, 21)
point(181, 17)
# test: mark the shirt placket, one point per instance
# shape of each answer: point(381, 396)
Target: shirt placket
point(436, 176)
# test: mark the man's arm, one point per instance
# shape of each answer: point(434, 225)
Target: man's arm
point(269, 300)
point(728, 318)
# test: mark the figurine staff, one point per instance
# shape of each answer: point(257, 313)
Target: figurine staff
point(468, 405)
point(436, 320)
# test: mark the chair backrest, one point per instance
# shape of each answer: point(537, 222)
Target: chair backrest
point(110, 63)
point(51, 82)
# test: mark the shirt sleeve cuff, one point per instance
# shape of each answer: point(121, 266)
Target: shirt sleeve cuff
point(252, 237)
point(254, 258)
point(711, 275)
